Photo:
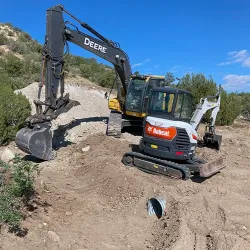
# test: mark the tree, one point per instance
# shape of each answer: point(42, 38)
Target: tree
point(137, 73)
point(14, 109)
point(200, 87)
point(169, 78)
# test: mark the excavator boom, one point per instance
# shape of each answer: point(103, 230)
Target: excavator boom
point(36, 137)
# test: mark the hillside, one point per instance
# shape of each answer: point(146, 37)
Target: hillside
point(21, 59)
point(87, 199)
point(20, 66)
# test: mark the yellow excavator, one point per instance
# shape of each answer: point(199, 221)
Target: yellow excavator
point(128, 109)
point(131, 112)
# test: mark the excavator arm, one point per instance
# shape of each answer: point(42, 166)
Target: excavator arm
point(203, 107)
point(210, 138)
point(36, 137)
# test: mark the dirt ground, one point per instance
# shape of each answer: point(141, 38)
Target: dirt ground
point(95, 202)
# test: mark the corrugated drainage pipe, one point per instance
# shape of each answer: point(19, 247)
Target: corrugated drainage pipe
point(156, 206)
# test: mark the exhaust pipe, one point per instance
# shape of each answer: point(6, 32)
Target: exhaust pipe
point(36, 141)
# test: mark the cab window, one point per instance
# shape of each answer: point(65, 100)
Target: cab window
point(184, 106)
point(162, 101)
point(152, 84)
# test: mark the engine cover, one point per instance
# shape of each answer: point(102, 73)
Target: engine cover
point(168, 139)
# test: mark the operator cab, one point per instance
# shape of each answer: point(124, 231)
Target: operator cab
point(171, 103)
point(138, 91)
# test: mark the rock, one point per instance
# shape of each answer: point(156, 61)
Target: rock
point(53, 236)
point(86, 149)
point(7, 155)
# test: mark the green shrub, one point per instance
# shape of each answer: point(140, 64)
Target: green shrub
point(16, 189)
point(31, 45)
point(13, 65)
point(106, 79)
point(35, 47)
point(86, 70)
point(10, 25)
point(200, 87)
point(10, 33)
point(30, 67)
point(27, 36)
point(14, 109)
point(5, 80)
point(3, 39)
point(18, 29)
point(33, 56)
point(22, 38)
point(18, 46)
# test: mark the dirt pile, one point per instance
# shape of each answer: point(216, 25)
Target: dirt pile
point(87, 118)
point(95, 202)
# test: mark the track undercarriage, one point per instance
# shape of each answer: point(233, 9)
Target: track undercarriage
point(114, 126)
point(117, 121)
point(172, 169)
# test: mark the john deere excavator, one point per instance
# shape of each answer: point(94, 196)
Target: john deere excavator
point(170, 137)
point(132, 109)
point(128, 109)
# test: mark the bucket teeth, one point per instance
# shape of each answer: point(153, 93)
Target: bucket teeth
point(36, 141)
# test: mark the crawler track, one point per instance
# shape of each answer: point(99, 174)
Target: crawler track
point(156, 166)
point(114, 126)
point(172, 169)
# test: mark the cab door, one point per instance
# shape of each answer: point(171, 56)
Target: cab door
point(152, 83)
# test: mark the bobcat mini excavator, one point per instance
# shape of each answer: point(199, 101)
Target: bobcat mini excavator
point(36, 137)
point(170, 135)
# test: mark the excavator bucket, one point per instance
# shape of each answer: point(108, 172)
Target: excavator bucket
point(212, 141)
point(36, 141)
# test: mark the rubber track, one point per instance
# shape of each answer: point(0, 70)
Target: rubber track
point(185, 172)
point(114, 126)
